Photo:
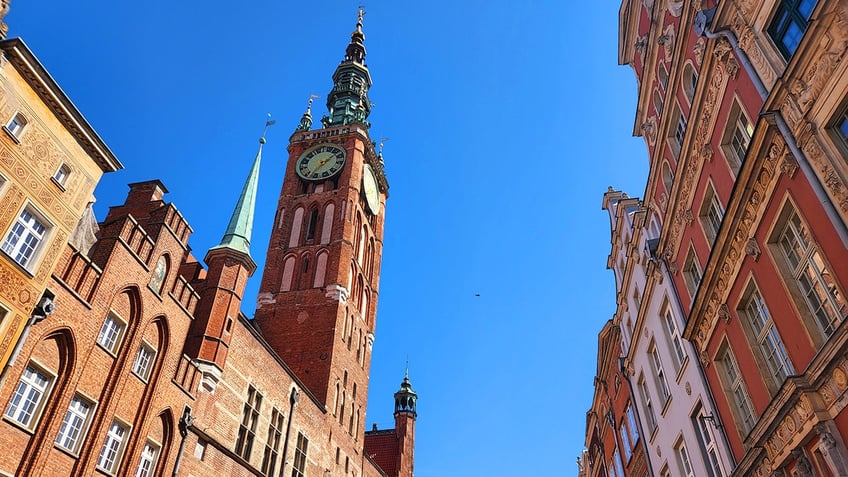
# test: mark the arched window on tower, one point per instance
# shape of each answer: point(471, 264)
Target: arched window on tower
point(327, 226)
point(313, 224)
point(320, 270)
point(297, 224)
point(288, 272)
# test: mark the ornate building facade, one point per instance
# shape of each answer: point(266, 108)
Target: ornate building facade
point(744, 109)
point(145, 365)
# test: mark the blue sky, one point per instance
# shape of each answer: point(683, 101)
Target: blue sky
point(507, 122)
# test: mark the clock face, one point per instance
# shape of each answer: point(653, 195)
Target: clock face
point(321, 162)
point(371, 190)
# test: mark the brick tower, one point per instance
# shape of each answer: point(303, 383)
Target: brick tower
point(318, 297)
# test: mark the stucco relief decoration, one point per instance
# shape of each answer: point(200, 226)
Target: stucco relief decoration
point(667, 42)
point(812, 149)
point(687, 216)
point(802, 464)
point(649, 4)
point(49, 257)
point(789, 165)
point(705, 359)
point(13, 289)
point(752, 249)
point(707, 153)
point(649, 130)
point(748, 43)
point(675, 8)
point(724, 312)
point(811, 83)
point(639, 45)
point(698, 50)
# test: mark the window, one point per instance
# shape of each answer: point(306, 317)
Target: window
point(74, 425)
point(662, 75)
point(690, 81)
point(313, 224)
point(631, 424)
point(763, 331)
point(683, 460)
point(737, 393)
point(789, 23)
point(736, 137)
point(711, 214)
point(692, 273)
point(812, 276)
point(658, 101)
point(113, 448)
point(662, 384)
point(17, 125)
point(144, 361)
point(299, 467)
point(272, 444)
point(673, 335)
point(842, 126)
point(28, 399)
point(625, 441)
point(616, 458)
point(26, 237)
point(667, 178)
point(247, 430)
point(111, 333)
point(678, 132)
point(707, 440)
point(647, 405)
point(61, 175)
point(147, 464)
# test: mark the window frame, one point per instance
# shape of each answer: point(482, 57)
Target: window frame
point(111, 467)
point(144, 372)
point(736, 390)
point(786, 15)
point(738, 130)
point(82, 423)
point(151, 458)
point(707, 442)
point(16, 126)
point(23, 231)
point(765, 338)
point(60, 177)
point(663, 390)
point(711, 214)
point(300, 453)
point(684, 461)
point(647, 404)
point(37, 408)
point(272, 442)
point(103, 339)
point(678, 353)
point(806, 277)
point(692, 273)
point(249, 420)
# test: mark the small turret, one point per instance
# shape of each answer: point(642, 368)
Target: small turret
point(406, 399)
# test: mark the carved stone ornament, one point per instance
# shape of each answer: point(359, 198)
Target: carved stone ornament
point(705, 359)
point(649, 129)
point(752, 248)
point(640, 43)
point(802, 464)
point(688, 216)
point(668, 43)
point(707, 152)
point(675, 8)
point(724, 312)
point(789, 165)
point(698, 50)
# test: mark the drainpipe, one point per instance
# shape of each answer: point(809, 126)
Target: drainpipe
point(186, 421)
point(703, 19)
point(42, 310)
point(295, 396)
point(710, 396)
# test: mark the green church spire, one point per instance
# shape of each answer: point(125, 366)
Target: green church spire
point(348, 101)
point(237, 236)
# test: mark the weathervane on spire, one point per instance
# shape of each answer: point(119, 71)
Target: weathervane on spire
point(268, 122)
point(383, 139)
point(361, 12)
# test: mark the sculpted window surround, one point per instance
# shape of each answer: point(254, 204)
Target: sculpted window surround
point(789, 23)
point(711, 214)
point(27, 237)
point(736, 137)
point(768, 345)
point(810, 273)
point(736, 391)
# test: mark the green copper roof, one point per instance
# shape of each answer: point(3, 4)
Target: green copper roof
point(348, 101)
point(239, 230)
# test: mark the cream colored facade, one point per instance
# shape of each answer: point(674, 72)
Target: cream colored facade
point(50, 162)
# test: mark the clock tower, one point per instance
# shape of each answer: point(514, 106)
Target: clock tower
point(318, 297)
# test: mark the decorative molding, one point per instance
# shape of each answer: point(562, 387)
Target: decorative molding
point(649, 130)
point(752, 248)
point(724, 312)
point(705, 359)
point(789, 165)
point(698, 50)
point(667, 41)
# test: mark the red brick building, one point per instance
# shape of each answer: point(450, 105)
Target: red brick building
point(148, 367)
